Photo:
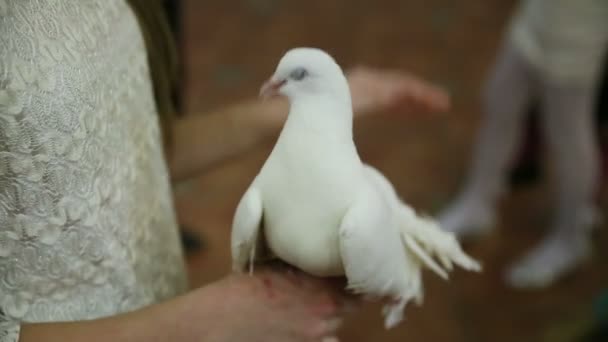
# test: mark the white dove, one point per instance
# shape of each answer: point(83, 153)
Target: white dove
point(317, 207)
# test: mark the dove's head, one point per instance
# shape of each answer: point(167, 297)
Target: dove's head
point(307, 72)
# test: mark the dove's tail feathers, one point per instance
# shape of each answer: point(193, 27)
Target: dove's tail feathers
point(393, 313)
point(412, 290)
point(423, 238)
point(394, 310)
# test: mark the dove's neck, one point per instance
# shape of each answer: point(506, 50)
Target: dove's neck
point(321, 116)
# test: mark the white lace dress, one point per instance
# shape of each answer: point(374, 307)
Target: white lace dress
point(87, 227)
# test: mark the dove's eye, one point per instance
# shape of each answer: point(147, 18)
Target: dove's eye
point(298, 74)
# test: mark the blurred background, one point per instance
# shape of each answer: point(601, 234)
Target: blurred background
point(231, 46)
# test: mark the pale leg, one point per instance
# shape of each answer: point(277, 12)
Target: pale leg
point(505, 100)
point(568, 124)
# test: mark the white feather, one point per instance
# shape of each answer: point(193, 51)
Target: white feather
point(245, 229)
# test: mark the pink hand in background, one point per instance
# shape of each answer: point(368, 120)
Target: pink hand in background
point(380, 90)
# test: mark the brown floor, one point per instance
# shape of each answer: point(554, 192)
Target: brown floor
point(234, 45)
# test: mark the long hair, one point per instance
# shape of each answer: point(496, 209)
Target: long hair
point(163, 61)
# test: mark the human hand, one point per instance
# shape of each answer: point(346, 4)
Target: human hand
point(270, 306)
point(277, 306)
point(379, 90)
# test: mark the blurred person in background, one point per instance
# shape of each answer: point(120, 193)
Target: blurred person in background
point(553, 52)
point(89, 145)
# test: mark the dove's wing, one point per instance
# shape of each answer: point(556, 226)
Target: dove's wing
point(421, 235)
point(384, 245)
point(245, 229)
point(373, 256)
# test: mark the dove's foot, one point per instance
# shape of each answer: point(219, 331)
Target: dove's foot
point(560, 253)
point(468, 216)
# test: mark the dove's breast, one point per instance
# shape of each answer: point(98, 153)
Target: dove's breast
point(304, 201)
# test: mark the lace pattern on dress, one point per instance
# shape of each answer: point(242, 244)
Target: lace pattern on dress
point(87, 227)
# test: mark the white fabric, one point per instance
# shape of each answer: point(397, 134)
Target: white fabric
point(87, 227)
point(564, 39)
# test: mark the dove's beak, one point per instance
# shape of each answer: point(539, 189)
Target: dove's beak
point(271, 88)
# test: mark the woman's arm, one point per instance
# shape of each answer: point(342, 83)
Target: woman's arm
point(201, 141)
point(270, 306)
point(120, 328)
point(204, 140)
point(174, 320)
